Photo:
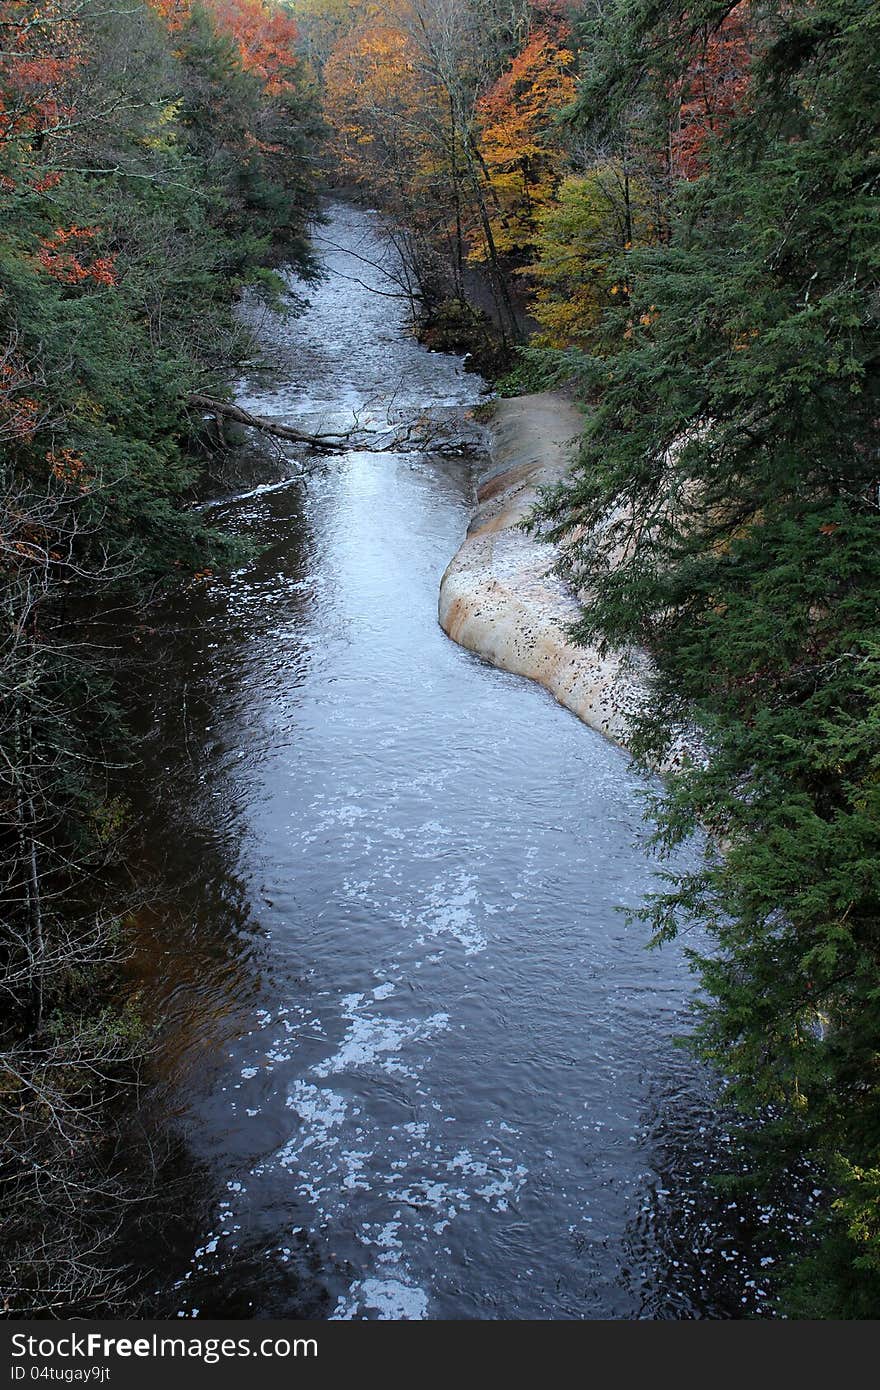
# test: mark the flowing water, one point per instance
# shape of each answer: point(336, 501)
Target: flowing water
point(423, 1065)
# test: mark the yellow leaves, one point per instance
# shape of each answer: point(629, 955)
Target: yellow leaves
point(743, 341)
point(170, 111)
point(379, 104)
point(87, 407)
point(517, 145)
point(594, 217)
point(164, 134)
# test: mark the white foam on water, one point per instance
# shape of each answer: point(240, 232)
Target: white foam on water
point(391, 1300)
point(369, 1038)
point(451, 911)
point(321, 1111)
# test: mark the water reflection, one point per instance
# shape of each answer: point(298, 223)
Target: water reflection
point(426, 1063)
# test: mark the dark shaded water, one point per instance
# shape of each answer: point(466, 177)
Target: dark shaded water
point(423, 1064)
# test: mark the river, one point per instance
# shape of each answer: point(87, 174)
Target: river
point(420, 1061)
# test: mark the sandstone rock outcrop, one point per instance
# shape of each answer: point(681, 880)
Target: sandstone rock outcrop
point(498, 596)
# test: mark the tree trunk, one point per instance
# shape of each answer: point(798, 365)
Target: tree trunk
point(224, 410)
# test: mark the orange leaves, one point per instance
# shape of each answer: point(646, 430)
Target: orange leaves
point(40, 54)
point(103, 270)
point(743, 341)
point(60, 257)
point(264, 33)
point(252, 142)
point(174, 13)
point(20, 412)
point(74, 233)
point(22, 417)
point(380, 105)
point(645, 320)
point(266, 38)
point(517, 143)
point(46, 182)
point(69, 468)
point(39, 58)
point(538, 81)
point(407, 92)
point(19, 419)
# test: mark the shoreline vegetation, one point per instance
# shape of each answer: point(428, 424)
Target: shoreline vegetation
point(154, 160)
point(669, 211)
point(689, 195)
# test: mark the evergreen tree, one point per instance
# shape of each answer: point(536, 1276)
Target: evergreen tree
point(725, 514)
point(145, 177)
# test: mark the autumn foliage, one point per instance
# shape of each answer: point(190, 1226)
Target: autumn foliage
point(266, 37)
point(452, 126)
point(66, 257)
point(460, 117)
point(712, 88)
point(381, 105)
point(520, 146)
point(152, 164)
point(41, 52)
point(264, 33)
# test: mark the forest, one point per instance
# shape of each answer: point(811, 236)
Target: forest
point(151, 161)
point(668, 209)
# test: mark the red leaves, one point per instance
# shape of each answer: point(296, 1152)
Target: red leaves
point(60, 257)
point(266, 39)
point(264, 34)
point(712, 90)
point(46, 182)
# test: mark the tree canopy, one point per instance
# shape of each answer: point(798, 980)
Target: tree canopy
point(687, 194)
point(153, 161)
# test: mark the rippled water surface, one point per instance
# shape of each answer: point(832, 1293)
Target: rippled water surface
point(423, 1064)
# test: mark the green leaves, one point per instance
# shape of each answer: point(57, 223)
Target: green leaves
point(128, 231)
point(725, 515)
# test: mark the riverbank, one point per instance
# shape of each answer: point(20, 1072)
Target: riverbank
point(385, 883)
point(499, 597)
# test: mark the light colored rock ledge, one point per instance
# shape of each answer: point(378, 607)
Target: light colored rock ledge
point(498, 597)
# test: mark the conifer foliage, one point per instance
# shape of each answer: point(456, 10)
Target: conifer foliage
point(731, 457)
point(687, 192)
point(152, 161)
